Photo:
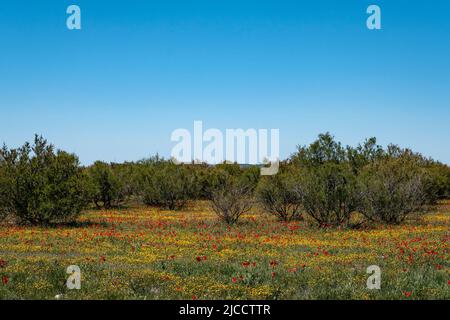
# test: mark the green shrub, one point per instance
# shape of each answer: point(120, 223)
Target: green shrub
point(232, 198)
point(166, 184)
point(391, 189)
point(437, 182)
point(280, 195)
point(329, 193)
point(107, 187)
point(39, 185)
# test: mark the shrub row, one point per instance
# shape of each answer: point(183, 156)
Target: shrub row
point(326, 181)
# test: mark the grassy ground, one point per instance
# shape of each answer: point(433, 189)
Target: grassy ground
point(145, 253)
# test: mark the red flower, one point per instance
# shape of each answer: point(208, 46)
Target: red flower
point(245, 264)
point(448, 282)
point(5, 280)
point(204, 257)
point(3, 263)
point(194, 297)
point(407, 294)
point(273, 263)
point(439, 267)
point(198, 258)
point(233, 280)
point(274, 274)
point(102, 259)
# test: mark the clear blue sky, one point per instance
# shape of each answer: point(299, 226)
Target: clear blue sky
point(137, 70)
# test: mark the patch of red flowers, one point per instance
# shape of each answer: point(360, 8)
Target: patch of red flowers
point(199, 258)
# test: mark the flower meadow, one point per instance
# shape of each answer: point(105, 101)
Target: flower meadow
point(149, 253)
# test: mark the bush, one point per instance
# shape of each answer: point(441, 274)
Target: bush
point(231, 199)
point(437, 182)
point(165, 184)
point(329, 193)
point(107, 188)
point(280, 195)
point(392, 189)
point(39, 185)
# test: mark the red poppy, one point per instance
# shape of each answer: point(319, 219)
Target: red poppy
point(439, 267)
point(3, 263)
point(233, 280)
point(194, 297)
point(274, 274)
point(407, 294)
point(245, 264)
point(273, 263)
point(5, 280)
point(198, 258)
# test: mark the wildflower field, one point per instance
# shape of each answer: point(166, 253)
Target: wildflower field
point(148, 253)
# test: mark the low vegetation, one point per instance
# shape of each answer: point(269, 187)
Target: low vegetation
point(325, 180)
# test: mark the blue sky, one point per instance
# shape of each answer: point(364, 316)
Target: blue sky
point(138, 70)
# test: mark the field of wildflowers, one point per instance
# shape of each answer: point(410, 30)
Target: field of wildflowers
point(148, 253)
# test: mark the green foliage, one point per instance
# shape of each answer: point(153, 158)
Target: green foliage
point(232, 197)
point(329, 172)
point(39, 185)
point(211, 178)
point(324, 150)
point(280, 195)
point(108, 187)
point(392, 188)
point(163, 183)
point(329, 193)
point(437, 184)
